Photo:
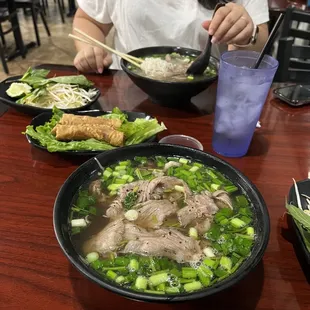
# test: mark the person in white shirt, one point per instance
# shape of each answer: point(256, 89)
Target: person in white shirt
point(185, 23)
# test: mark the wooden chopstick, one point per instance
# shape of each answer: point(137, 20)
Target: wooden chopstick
point(98, 43)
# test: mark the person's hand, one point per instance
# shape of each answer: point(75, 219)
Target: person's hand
point(92, 59)
point(231, 24)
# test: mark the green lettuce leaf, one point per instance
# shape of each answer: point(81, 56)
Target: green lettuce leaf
point(116, 114)
point(141, 130)
point(47, 139)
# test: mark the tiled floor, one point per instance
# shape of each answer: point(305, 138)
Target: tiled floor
point(55, 49)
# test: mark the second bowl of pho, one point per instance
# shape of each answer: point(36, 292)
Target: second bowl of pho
point(169, 224)
point(162, 74)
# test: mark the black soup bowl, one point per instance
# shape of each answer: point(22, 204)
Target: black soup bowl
point(90, 168)
point(169, 93)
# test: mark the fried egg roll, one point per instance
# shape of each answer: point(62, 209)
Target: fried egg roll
point(87, 131)
point(70, 119)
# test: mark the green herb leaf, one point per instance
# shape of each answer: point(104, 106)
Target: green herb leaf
point(301, 217)
point(130, 200)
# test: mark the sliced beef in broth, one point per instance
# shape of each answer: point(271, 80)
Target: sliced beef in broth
point(134, 232)
point(96, 190)
point(222, 199)
point(204, 225)
point(168, 243)
point(158, 185)
point(153, 213)
point(116, 210)
point(139, 186)
point(107, 240)
point(198, 207)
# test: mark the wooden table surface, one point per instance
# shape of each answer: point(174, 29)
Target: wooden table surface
point(35, 274)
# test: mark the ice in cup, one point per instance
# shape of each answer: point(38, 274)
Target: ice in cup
point(241, 94)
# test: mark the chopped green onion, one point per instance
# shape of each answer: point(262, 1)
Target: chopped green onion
point(121, 261)
point(226, 263)
point(231, 189)
point(211, 174)
point(215, 187)
point(161, 287)
point(133, 265)
point(194, 169)
point(183, 161)
point(107, 173)
point(111, 275)
point(179, 188)
point(193, 233)
point(209, 252)
point(193, 286)
point(189, 273)
point(114, 187)
point(250, 231)
point(237, 223)
point(91, 257)
point(131, 215)
point(190, 77)
point(120, 279)
point(204, 275)
point(138, 174)
point(183, 281)
point(158, 278)
point(141, 283)
point(78, 223)
point(172, 290)
point(210, 263)
point(120, 181)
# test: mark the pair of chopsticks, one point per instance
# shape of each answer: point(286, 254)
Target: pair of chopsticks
point(95, 43)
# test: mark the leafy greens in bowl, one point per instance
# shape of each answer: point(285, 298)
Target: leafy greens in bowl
point(298, 206)
point(34, 92)
point(136, 128)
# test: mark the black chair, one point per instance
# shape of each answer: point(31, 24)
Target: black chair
point(9, 14)
point(36, 8)
point(294, 60)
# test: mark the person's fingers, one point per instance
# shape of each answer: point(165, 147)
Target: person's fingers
point(206, 24)
point(99, 56)
point(234, 30)
point(243, 36)
point(89, 56)
point(78, 63)
point(107, 61)
point(229, 22)
point(218, 18)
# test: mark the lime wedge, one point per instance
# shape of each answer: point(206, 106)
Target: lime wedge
point(18, 90)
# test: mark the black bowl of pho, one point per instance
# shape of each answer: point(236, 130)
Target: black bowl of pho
point(163, 74)
point(161, 223)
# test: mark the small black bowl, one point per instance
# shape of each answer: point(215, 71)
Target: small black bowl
point(31, 110)
point(303, 188)
point(169, 93)
point(42, 118)
point(89, 168)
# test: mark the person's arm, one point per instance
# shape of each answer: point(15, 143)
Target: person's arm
point(88, 58)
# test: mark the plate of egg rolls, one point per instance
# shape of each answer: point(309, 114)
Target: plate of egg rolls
point(91, 132)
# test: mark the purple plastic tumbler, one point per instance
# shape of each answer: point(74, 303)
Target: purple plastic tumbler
point(241, 94)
